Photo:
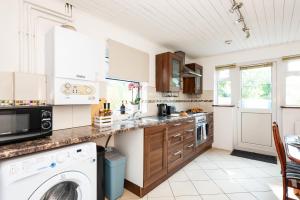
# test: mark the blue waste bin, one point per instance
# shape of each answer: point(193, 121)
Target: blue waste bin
point(114, 173)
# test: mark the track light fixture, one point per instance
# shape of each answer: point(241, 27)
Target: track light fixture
point(246, 31)
point(236, 6)
point(239, 20)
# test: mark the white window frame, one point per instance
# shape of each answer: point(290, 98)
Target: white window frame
point(231, 79)
point(287, 74)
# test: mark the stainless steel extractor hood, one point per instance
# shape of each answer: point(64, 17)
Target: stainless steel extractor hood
point(187, 72)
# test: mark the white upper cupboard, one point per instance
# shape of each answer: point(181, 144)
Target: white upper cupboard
point(73, 55)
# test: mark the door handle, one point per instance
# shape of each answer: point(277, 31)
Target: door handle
point(177, 135)
point(177, 124)
point(190, 130)
point(190, 146)
point(177, 153)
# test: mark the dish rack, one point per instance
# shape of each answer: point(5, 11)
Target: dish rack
point(103, 121)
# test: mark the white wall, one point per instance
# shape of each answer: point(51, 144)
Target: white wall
point(224, 127)
point(9, 37)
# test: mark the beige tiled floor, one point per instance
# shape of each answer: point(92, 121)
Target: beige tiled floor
point(216, 175)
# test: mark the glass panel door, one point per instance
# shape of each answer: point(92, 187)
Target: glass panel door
point(256, 88)
point(256, 109)
point(175, 79)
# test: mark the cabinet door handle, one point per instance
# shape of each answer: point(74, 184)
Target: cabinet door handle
point(190, 146)
point(177, 153)
point(177, 135)
point(190, 121)
point(190, 130)
point(177, 124)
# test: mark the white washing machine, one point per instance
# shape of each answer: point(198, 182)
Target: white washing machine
point(68, 173)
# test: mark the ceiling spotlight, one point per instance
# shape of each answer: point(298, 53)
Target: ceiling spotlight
point(245, 29)
point(247, 32)
point(235, 6)
point(239, 20)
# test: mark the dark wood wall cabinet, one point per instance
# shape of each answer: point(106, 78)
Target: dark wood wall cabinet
point(193, 85)
point(168, 72)
point(168, 148)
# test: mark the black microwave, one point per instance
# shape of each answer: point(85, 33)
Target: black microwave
point(24, 123)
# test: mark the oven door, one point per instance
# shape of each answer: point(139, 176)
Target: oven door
point(201, 133)
point(19, 123)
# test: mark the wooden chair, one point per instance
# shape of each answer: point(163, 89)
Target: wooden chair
point(290, 171)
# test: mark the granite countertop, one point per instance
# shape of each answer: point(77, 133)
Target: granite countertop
point(71, 136)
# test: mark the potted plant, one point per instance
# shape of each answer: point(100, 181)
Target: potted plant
point(135, 87)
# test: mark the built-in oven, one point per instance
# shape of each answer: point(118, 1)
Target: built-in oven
point(24, 123)
point(201, 129)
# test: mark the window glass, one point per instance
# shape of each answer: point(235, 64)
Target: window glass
point(223, 87)
point(256, 88)
point(292, 90)
point(223, 74)
point(294, 66)
point(224, 92)
point(118, 91)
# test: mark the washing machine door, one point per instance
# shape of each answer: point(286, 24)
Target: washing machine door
point(70, 185)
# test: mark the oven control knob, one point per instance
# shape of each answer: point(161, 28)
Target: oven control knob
point(46, 125)
point(46, 114)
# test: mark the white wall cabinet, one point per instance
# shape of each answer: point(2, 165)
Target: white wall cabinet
point(73, 55)
point(29, 86)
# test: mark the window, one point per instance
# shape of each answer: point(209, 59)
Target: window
point(292, 82)
point(126, 91)
point(256, 87)
point(224, 85)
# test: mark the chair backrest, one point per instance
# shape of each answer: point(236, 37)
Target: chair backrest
point(279, 148)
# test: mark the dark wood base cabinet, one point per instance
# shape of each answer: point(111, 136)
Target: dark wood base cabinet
point(167, 148)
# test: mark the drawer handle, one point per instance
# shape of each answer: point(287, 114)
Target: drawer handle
point(190, 121)
point(190, 130)
point(190, 146)
point(177, 124)
point(177, 153)
point(177, 135)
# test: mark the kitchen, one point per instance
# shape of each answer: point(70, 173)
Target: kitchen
point(188, 107)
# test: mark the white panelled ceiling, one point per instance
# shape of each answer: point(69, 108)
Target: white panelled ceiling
point(200, 27)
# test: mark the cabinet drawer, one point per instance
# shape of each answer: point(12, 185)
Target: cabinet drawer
point(175, 138)
point(175, 126)
point(175, 157)
point(189, 133)
point(190, 123)
point(188, 149)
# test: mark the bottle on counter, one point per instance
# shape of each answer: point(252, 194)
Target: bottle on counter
point(107, 111)
point(123, 108)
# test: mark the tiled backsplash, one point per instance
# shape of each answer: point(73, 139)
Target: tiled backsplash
point(182, 103)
